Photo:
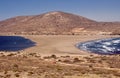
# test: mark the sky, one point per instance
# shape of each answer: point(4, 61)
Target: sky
point(99, 10)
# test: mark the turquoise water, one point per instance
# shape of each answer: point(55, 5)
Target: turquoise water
point(103, 46)
point(14, 43)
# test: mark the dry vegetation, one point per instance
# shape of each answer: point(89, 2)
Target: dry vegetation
point(32, 66)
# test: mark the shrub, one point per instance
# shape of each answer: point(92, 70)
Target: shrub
point(17, 75)
point(67, 61)
point(53, 56)
point(11, 54)
point(76, 60)
point(30, 73)
point(15, 65)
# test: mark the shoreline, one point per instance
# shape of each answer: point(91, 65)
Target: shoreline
point(60, 44)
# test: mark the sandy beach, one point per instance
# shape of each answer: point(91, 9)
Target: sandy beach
point(60, 44)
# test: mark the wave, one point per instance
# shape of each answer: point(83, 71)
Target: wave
point(103, 46)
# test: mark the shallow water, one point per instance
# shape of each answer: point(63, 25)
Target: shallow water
point(14, 43)
point(103, 46)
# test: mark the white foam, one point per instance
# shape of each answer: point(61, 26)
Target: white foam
point(107, 48)
point(107, 43)
point(116, 41)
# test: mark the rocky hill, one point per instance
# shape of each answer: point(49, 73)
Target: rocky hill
point(56, 23)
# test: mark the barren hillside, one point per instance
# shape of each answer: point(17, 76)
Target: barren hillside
point(55, 23)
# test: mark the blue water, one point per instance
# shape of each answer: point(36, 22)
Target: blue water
point(103, 46)
point(14, 43)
